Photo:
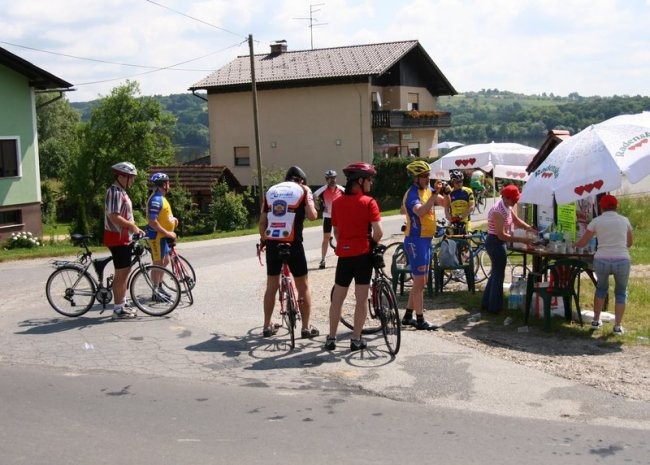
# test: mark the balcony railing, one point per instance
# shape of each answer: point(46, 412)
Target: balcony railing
point(410, 119)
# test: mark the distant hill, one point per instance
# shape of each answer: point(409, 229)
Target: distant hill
point(493, 115)
point(483, 116)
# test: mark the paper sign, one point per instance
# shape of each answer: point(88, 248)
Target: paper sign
point(566, 219)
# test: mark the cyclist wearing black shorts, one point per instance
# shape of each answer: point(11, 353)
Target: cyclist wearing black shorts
point(119, 225)
point(355, 221)
point(286, 205)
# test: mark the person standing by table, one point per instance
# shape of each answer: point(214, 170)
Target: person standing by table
point(502, 219)
point(614, 234)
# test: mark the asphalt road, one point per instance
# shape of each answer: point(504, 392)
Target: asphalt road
point(201, 385)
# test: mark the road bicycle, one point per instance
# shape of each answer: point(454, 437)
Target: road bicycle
point(479, 200)
point(183, 271)
point(72, 290)
point(382, 311)
point(287, 293)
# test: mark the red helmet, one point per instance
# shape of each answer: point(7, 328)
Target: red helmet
point(358, 170)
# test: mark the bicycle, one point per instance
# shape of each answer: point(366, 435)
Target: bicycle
point(479, 200)
point(382, 306)
point(183, 271)
point(484, 268)
point(287, 294)
point(72, 290)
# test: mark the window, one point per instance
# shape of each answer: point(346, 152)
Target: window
point(414, 149)
point(242, 156)
point(9, 158)
point(10, 217)
point(414, 100)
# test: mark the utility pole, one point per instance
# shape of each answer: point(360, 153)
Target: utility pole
point(312, 20)
point(258, 154)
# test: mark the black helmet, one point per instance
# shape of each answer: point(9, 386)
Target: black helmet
point(456, 175)
point(295, 172)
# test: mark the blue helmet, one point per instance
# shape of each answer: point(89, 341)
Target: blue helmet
point(158, 179)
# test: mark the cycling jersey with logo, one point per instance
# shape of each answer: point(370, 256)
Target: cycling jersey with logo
point(284, 205)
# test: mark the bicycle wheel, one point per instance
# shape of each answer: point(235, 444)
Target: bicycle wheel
point(289, 310)
point(389, 316)
point(151, 300)
point(486, 264)
point(188, 269)
point(70, 291)
point(182, 272)
point(372, 323)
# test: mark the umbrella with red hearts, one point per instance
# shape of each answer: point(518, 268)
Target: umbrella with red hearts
point(481, 155)
point(593, 161)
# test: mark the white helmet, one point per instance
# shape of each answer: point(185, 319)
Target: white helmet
point(124, 167)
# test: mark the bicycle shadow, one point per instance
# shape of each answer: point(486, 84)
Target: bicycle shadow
point(60, 324)
point(276, 353)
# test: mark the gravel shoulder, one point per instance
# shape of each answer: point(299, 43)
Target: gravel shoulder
point(595, 361)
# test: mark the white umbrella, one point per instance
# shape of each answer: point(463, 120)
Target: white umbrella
point(593, 161)
point(446, 145)
point(495, 153)
point(518, 173)
point(437, 172)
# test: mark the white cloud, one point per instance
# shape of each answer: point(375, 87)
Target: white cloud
point(594, 47)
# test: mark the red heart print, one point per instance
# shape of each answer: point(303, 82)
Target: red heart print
point(598, 184)
point(579, 190)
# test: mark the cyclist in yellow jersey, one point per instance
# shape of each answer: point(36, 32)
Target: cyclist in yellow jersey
point(461, 201)
point(161, 226)
point(418, 205)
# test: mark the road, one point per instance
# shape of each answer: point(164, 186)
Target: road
point(201, 386)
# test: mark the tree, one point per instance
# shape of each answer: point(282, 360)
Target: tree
point(122, 127)
point(58, 135)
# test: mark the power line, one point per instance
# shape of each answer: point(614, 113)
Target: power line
point(196, 19)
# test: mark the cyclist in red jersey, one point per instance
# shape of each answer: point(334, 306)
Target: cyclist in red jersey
point(356, 222)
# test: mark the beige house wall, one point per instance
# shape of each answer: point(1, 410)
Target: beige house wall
point(316, 128)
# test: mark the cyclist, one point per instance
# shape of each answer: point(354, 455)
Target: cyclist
point(356, 222)
point(161, 226)
point(118, 228)
point(286, 205)
point(418, 204)
point(476, 182)
point(327, 194)
point(461, 202)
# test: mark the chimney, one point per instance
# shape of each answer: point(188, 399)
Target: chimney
point(278, 47)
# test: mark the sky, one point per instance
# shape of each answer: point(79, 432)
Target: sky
point(592, 47)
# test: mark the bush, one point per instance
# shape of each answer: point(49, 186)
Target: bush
point(228, 210)
point(22, 240)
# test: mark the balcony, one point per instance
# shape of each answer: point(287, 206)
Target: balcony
point(399, 119)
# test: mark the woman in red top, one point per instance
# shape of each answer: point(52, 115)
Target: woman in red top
point(355, 222)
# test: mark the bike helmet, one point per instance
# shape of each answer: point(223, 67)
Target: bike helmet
point(358, 170)
point(295, 172)
point(330, 174)
point(124, 167)
point(158, 179)
point(418, 167)
point(456, 175)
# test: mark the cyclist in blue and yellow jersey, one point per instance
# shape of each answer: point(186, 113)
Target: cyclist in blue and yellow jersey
point(418, 205)
point(160, 227)
point(461, 202)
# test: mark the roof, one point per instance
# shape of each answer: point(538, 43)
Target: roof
point(553, 139)
point(319, 64)
point(38, 78)
point(198, 178)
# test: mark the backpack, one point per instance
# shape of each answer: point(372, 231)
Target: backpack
point(448, 256)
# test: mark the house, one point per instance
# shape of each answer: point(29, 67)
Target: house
point(198, 180)
point(325, 108)
point(20, 182)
